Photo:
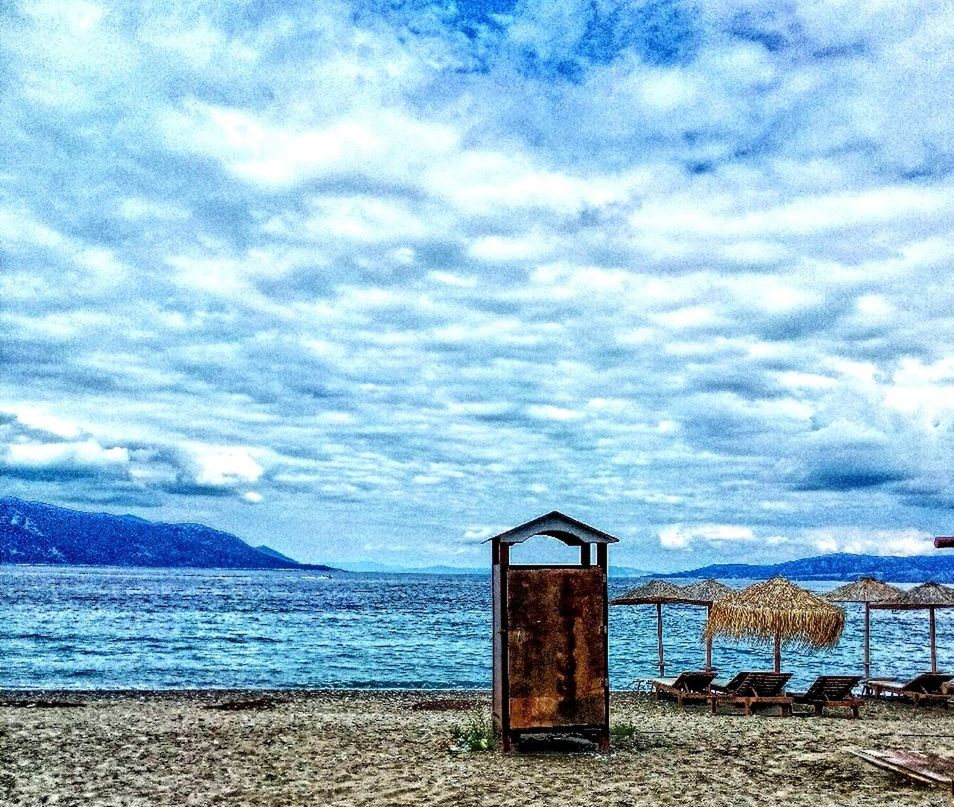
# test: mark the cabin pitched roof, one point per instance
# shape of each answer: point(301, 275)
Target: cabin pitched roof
point(556, 525)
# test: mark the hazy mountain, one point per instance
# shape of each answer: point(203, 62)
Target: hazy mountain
point(628, 571)
point(32, 532)
point(383, 568)
point(938, 567)
point(264, 548)
point(371, 566)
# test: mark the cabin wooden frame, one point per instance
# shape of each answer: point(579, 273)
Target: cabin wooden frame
point(550, 636)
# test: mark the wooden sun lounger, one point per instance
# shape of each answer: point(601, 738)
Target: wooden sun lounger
point(929, 769)
point(752, 688)
point(688, 687)
point(832, 690)
point(923, 688)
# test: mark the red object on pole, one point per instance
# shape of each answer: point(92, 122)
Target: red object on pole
point(944, 542)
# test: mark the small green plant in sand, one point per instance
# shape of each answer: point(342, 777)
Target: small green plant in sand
point(623, 730)
point(476, 734)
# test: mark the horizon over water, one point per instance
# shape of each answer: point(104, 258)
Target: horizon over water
point(68, 627)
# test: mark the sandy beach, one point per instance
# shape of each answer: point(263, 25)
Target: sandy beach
point(361, 748)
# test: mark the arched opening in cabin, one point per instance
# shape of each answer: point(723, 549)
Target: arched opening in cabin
point(551, 550)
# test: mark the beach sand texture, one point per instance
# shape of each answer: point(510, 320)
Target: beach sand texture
point(324, 748)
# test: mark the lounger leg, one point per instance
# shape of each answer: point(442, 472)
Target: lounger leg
point(604, 742)
point(748, 708)
point(818, 710)
point(855, 714)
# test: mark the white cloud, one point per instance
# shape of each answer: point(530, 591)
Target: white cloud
point(478, 533)
point(679, 536)
point(550, 412)
point(52, 460)
point(224, 466)
point(276, 155)
point(88, 452)
point(874, 542)
point(500, 248)
point(41, 420)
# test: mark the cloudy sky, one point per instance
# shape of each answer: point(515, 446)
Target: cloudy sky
point(376, 280)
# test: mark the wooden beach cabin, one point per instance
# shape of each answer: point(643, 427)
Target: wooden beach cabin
point(550, 639)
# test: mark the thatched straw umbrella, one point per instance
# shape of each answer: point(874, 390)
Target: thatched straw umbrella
point(926, 595)
point(777, 609)
point(867, 590)
point(655, 592)
point(706, 592)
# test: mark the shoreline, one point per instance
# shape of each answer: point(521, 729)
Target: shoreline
point(373, 747)
point(200, 692)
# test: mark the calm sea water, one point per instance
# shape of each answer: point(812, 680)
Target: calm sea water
point(96, 628)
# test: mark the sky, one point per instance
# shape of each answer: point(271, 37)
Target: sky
point(375, 281)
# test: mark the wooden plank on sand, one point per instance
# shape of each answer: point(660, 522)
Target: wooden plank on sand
point(929, 769)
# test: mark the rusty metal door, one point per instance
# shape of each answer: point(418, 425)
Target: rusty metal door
point(557, 647)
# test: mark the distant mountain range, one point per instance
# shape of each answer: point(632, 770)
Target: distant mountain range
point(938, 568)
point(373, 567)
point(31, 532)
point(384, 568)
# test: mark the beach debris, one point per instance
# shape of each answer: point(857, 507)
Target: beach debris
point(43, 704)
point(557, 744)
point(443, 705)
point(926, 768)
point(251, 703)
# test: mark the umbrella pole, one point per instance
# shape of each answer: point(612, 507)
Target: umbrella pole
point(708, 641)
point(933, 647)
point(867, 641)
point(778, 651)
point(659, 643)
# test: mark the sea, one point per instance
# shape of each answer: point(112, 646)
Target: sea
point(125, 628)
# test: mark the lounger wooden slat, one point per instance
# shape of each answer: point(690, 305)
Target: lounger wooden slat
point(752, 688)
point(924, 688)
point(832, 690)
point(687, 687)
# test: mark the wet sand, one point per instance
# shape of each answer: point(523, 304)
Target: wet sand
point(341, 748)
